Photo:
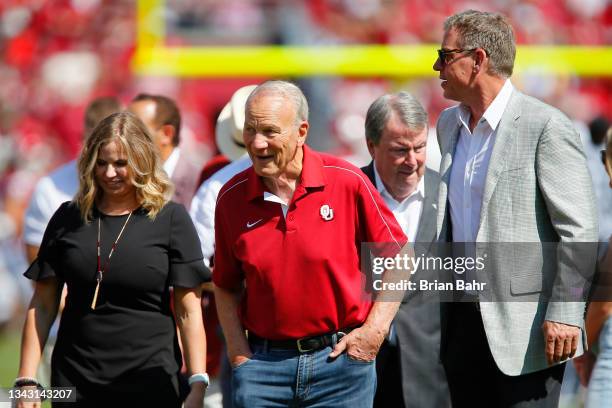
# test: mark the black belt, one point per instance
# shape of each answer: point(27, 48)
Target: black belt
point(303, 345)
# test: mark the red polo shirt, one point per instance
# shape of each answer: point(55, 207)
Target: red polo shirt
point(302, 272)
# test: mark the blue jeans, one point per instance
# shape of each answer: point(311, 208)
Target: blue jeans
point(600, 385)
point(287, 378)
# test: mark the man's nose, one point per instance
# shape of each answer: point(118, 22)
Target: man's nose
point(437, 66)
point(410, 158)
point(260, 142)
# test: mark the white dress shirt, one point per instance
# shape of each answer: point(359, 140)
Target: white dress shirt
point(408, 211)
point(470, 166)
point(203, 204)
point(172, 161)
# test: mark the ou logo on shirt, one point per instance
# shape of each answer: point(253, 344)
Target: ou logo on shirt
point(327, 213)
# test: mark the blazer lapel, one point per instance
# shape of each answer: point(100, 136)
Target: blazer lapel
point(448, 127)
point(505, 137)
point(369, 171)
point(427, 231)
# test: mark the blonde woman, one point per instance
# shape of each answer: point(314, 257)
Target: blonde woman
point(595, 367)
point(119, 246)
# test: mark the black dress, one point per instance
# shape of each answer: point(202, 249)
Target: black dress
point(126, 349)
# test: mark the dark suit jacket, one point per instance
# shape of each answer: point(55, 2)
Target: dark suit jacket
point(417, 323)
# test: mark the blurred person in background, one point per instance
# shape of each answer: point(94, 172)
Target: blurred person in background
point(408, 368)
point(595, 366)
point(117, 342)
point(228, 136)
point(9, 289)
point(162, 117)
point(593, 146)
point(513, 170)
point(60, 185)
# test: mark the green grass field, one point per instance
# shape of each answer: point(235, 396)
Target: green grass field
point(9, 359)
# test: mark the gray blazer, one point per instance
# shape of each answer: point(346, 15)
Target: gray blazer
point(417, 322)
point(537, 190)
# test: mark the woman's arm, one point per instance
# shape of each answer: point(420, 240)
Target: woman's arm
point(39, 318)
point(596, 316)
point(599, 310)
point(188, 311)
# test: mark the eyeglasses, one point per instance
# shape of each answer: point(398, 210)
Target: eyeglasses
point(603, 157)
point(443, 55)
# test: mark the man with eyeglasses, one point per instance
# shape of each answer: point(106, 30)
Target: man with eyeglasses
point(512, 170)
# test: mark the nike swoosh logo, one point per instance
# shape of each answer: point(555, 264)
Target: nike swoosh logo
point(252, 224)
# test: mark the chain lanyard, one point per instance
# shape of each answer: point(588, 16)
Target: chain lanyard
point(100, 271)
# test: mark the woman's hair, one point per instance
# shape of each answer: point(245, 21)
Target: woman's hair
point(153, 187)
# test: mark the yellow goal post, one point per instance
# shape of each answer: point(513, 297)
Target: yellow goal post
point(153, 57)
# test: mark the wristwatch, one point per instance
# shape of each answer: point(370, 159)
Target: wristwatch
point(199, 377)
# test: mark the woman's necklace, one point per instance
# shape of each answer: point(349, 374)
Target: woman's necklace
point(101, 271)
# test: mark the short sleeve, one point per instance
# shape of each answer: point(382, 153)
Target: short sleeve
point(187, 267)
point(377, 223)
point(46, 263)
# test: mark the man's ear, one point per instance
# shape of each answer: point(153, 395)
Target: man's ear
point(167, 135)
point(371, 146)
point(302, 132)
point(479, 59)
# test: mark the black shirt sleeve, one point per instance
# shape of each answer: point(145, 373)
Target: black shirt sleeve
point(187, 268)
point(45, 265)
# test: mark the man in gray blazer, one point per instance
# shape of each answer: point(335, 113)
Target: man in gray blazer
point(408, 365)
point(512, 170)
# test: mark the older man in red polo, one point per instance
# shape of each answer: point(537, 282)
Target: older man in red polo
point(287, 265)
